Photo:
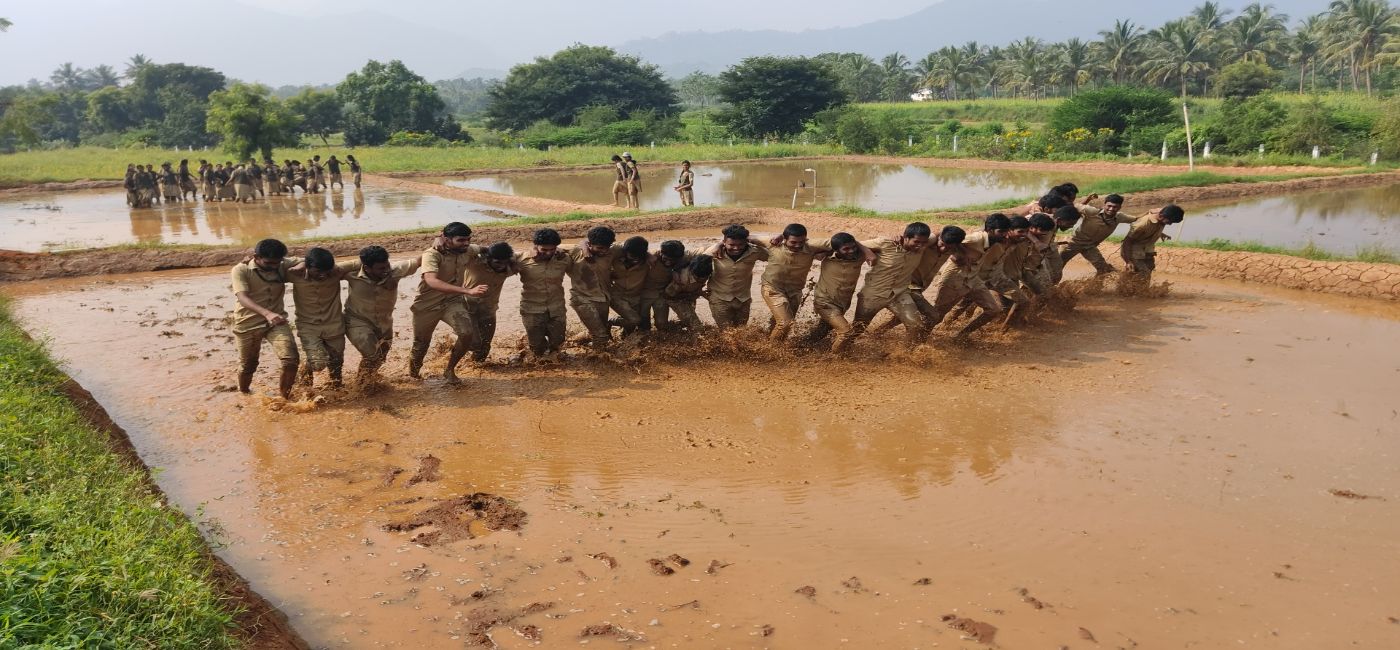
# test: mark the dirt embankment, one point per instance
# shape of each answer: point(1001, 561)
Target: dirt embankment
point(1358, 279)
point(527, 204)
point(542, 168)
point(1104, 168)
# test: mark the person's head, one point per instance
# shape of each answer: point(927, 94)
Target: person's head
point(1051, 202)
point(269, 253)
point(375, 262)
point(1112, 204)
point(672, 252)
point(1066, 216)
point(316, 158)
point(498, 256)
point(1068, 190)
point(736, 239)
point(794, 237)
point(203, 161)
point(843, 245)
point(1020, 227)
point(1172, 213)
point(616, 158)
point(332, 157)
point(456, 236)
point(915, 236)
point(350, 157)
point(600, 239)
point(685, 164)
point(184, 162)
point(627, 156)
point(703, 266)
point(996, 227)
point(1041, 223)
point(950, 238)
point(635, 248)
point(319, 263)
point(546, 241)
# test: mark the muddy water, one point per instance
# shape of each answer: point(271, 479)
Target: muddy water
point(95, 218)
point(879, 187)
point(1342, 222)
point(1151, 472)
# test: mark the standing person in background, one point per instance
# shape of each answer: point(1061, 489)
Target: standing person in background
point(355, 170)
point(169, 183)
point(242, 185)
point(634, 181)
point(186, 180)
point(619, 188)
point(273, 175)
point(255, 174)
point(206, 180)
point(333, 166)
point(686, 185)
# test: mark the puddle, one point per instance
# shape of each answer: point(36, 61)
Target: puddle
point(879, 187)
point(1342, 222)
point(96, 218)
point(1153, 472)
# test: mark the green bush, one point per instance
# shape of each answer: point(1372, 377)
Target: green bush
point(1386, 131)
point(1244, 124)
point(412, 139)
point(1125, 110)
point(1308, 125)
point(1244, 79)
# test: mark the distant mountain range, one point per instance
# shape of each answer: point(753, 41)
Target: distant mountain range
point(951, 22)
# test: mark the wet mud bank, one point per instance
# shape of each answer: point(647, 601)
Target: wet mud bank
point(1356, 279)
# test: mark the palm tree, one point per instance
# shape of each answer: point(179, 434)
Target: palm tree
point(952, 69)
point(102, 76)
point(134, 65)
point(1364, 26)
point(1071, 64)
point(67, 77)
point(1027, 66)
point(1180, 52)
point(1122, 49)
point(1210, 16)
point(1257, 35)
point(1305, 46)
point(896, 72)
point(5, 24)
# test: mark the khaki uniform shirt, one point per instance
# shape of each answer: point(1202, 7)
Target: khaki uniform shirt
point(687, 180)
point(1095, 226)
point(1142, 236)
point(542, 283)
point(733, 279)
point(1016, 261)
point(929, 265)
point(837, 282)
point(266, 288)
point(659, 275)
point(589, 281)
point(373, 302)
point(893, 269)
point(1040, 248)
point(318, 301)
point(684, 285)
point(449, 268)
point(787, 270)
point(967, 265)
point(478, 272)
point(630, 281)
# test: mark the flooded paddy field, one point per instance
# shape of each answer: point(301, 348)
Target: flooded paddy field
point(1342, 221)
point(872, 186)
point(1211, 469)
point(97, 218)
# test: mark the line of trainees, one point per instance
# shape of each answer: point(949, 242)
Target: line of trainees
point(1004, 270)
point(244, 182)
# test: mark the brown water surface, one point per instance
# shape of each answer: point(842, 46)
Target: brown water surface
point(97, 218)
point(1156, 473)
point(1344, 222)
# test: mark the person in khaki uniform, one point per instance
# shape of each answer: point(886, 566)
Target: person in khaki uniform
point(688, 285)
point(542, 292)
point(669, 257)
point(619, 188)
point(590, 278)
point(973, 269)
point(1041, 262)
point(629, 277)
point(1015, 260)
point(439, 299)
point(887, 284)
point(489, 269)
point(784, 278)
point(356, 174)
point(634, 180)
point(1064, 218)
point(1139, 247)
point(369, 305)
point(1096, 226)
point(259, 285)
point(836, 285)
point(685, 185)
point(731, 284)
point(320, 321)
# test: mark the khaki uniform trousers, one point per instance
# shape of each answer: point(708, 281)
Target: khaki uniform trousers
point(454, 313)
point(831, 319)
point(279, 338)
point(783, 306)
point(483, 318)
point(901, 304)
point(1090, 253)
point(633, 310)
point(594, 317)
point(544, 331)
point(685, 312)
point(372, 343)
point(730, 313)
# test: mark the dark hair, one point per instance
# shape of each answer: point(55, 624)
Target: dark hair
point(1018, 223)
point(1114, 198)
point(841, 240)
point(456, 229)
point(500, 251)
point(616, 158)
point(1066, 190)
point(735, 231)
point(703, 266)
point(547, 237)
point(952, 235)
point(996, 221)
point(320, 259)
point(1042, 221)
point(635, 247)
point(371, 255)
point(1067, 213)
point(917, 229)
point(601, 236)
point(1052, 201)
point(270, 249)
point(673, 249)
point(1173, 213)
point(685, 162)
point(794, 230)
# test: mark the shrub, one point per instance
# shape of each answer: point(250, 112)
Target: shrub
point(1244, 79)
point(1386, 132)
point(1123, 109)
point(411, 139)
point(1244, 124)
point(1308, 125)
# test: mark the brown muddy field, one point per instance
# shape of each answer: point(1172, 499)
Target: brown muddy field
point(1213, 468)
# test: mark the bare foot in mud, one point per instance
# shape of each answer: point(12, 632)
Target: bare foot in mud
point(451, 378)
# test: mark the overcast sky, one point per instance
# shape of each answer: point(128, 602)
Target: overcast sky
point(322, 39)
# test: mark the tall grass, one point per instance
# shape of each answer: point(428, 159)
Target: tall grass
point(89, 556)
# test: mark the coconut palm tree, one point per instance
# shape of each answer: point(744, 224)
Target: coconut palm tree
point(102, 76)
point(896, 73)
point(952, 69)
point(1027, 65)
point(1304, 47)
point(1257, 34)
point(1210, 16)
point(5, 24)
point(1122, 49)
point(1180, 53)
point(67, 77)
point(1071, 64)
point(1363, 27)
point(134, 65)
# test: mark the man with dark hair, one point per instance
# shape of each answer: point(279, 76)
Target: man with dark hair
point(259, 285)
point(320, 322)
point(1043, 257)
point(440, 299)
point(1049, 202)
point(272, 177)
point(887, 284)
point(356, 173)
point(629, 277)
point(634, 180)
point(333, 166)
point(731, 284)
point(685, 185)
point(687, 285)
point(242, 184)
point(369, 306)
point(1139, 247)
point(590, 278)
point(542, 292)
point(1096, 226)
point(789, 262)
point(943, 247)
point(973, 267)
point(836, 284)
point(489, 269)
point(1015, 260)
point(619, 188)
point(669, 257)
point(255, 175)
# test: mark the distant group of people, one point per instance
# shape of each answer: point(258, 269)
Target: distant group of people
point(243, 182)
point(627, 182)
point(920, 277)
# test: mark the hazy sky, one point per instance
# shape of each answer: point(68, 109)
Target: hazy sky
point(320, 40)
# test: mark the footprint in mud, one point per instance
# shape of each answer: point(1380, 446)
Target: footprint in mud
point(453, 520)
point(678, 560)
point(715, 566)
point(428, 467)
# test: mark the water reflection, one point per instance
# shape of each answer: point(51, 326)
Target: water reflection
point(1340, 221)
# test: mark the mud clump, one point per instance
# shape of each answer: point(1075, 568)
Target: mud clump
point(480, 623)
point(428, 467)
point(659, 567)
point(608, 629)
point(1028, 599)
point(450, 521)
point(976, 630)
point(1357, 496)
point(808, 591)
point(678, 560)
point(923, 582)
point(605, 559)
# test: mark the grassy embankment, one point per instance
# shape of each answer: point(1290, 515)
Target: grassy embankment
point(89, 555)
point(63, 165)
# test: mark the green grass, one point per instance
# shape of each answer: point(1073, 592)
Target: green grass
point(1007, 111)
point(89, 556)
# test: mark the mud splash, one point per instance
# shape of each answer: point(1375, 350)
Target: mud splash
point(458, 519)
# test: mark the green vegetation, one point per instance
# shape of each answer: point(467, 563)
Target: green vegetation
point(775, 96)
point(251, 120)
point(1373, 254)
point(382, 99)
point(90, 556)
point(559, 89)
